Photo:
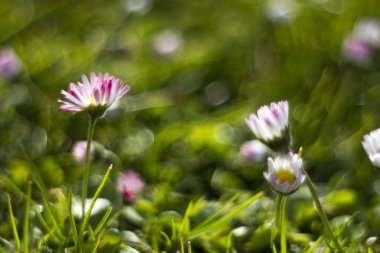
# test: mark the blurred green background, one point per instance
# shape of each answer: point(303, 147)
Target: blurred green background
point(197, 69)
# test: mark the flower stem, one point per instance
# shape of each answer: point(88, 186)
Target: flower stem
point(90, 133)
point(283, 224)
point(321, 212)
point(276, 222)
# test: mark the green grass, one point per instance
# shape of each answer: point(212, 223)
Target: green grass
point(182, 124)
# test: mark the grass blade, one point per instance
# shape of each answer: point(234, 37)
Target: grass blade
point(213, 225)
point(102, 222)
point(12, 187)
point(96, 245)
point(14, 226)
point(97, 193)
point(71, 217)
point(229, 242)
point(41, 219)
point(26, 219)
point(174, 231)
point(189, 247)
point(182, 247)
point(185, 227)
point(314, 245)
point(45, 238)
point(216, 215)
point(49, 209)
point(7, 244)
point(167, 239)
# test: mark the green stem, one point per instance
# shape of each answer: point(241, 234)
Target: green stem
point(276, 222)
point(279, 200)
point(189, 247)
point(182, 247)
point(321, 212)
point(90, 133)
point(283, 224)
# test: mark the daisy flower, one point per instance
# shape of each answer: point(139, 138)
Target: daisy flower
point(270, 124)
point(285, 173)
point(95, 95)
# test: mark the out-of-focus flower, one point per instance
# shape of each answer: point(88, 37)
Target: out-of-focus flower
point(271, 123)
point(368, 31)
point(95, 96)
point(371, 146)
point(100, 205)
point(79, 151)
point(285, 173)
point(280, 10)
point(370, 241)
point(359, 46)
point(167, 42)
point(138, 6)
point(357, 51)
point(254, 151)
point(10, 65)
point(130, 185)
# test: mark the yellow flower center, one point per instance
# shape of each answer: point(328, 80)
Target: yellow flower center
point(92, 98)
point(284, 176)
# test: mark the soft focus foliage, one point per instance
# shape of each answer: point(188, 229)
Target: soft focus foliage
point(198, 69)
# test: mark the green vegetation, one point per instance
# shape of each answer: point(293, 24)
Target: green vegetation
point(197, 69)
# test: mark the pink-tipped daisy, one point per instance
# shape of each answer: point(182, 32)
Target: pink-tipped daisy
point(95, 95)
point(130, 185)
point(270, 124)
point(285, 173)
